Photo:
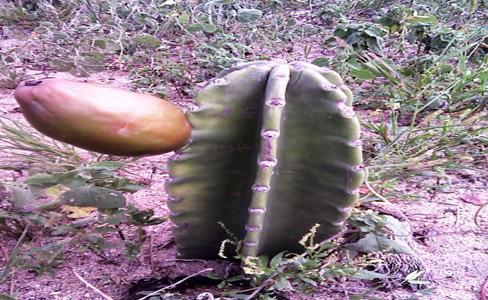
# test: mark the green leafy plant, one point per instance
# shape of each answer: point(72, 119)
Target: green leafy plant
point(394, 19)
point(362, 36)
point(222, 52)
point(77, 202)
point(321, 262)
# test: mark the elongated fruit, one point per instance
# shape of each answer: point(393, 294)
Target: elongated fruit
point(103, 119)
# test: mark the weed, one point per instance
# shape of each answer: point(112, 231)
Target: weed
point(77, 202)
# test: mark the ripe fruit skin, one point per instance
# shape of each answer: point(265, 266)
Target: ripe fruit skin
point(103, 119)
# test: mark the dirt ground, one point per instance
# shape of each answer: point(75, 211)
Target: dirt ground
point(446, 238)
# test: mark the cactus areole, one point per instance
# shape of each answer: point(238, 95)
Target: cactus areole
point(274, 150)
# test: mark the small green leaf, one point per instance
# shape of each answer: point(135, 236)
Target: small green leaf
point(423, 19)
point(276, 261)
point(95, 55)
point(92, 196)
point(60, 36)
point(131, 188)
point(44, 180)
point(47, 24)
point(108, 165)
point(146, 41)
point(209, 28)
point(223, 2)
point(91, 61)
point(184, 19)
point(282, 284)
point(373, 242)
point(194, 28)
point(321, 61)
point(248, 15)
point(484, 76)
point(100, 43)
point(368, 275)
point(360, 72)
point(341, 32)
point(62, 64)
point(262, 262)
point(41, 30)
point(70, 179)
point(309, 281)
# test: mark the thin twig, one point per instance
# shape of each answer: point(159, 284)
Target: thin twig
point(9, 264)
point(484, 288)
point(12, 282)
point(92, 287)
point(151, 257)
point(456, 214)
point(266, 283)
point(175, 284)
point(186, 260)
point(477, 214)
point(105, 259)
point(12, 273)
point(370, 188)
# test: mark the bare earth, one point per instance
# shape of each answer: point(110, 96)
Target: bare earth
point(446, 238)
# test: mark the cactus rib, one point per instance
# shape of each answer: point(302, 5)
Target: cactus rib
point(274, 101)
point(274, 150)
point(212, 176)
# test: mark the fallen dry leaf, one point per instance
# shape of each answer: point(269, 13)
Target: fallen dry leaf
point(76, 212)
point(472, 198)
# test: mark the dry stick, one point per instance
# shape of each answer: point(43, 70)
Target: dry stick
point(477, 214)
point(186, 260)
point(12, 282)
point(92, 287)
point(151, 258)
point(484, 288)
point(457, 213)
point(12, 273)
point(9, 264)
point(266, 283)
point(175, 284)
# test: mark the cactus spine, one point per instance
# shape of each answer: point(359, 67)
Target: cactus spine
point(274, 150)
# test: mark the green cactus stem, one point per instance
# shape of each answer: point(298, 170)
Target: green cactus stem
point(274, 150)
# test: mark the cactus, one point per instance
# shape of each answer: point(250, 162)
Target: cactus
point(274, 150)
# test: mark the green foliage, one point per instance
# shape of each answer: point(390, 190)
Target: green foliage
point(78, 203)
point(379, 234)
point(394, 19)
point(320, 263)
point(221, 52)
point(362, 36)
